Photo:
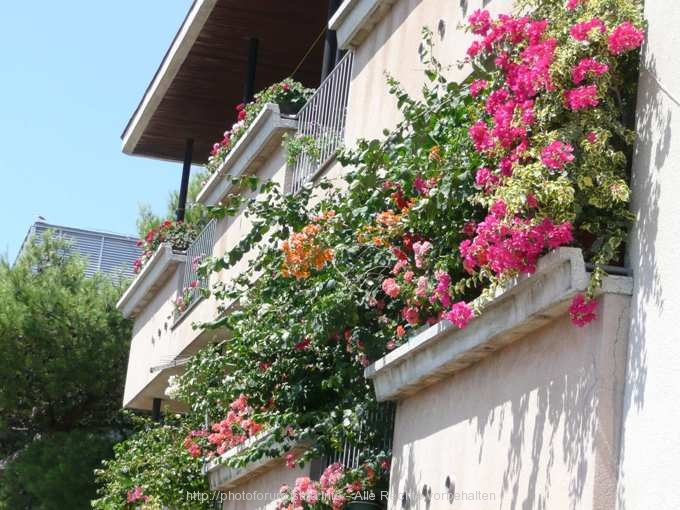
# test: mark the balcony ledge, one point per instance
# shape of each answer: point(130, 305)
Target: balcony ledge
point(263, 136)
point(524, 306)
point(355, 19)
point(154, 274)
point(223, 477)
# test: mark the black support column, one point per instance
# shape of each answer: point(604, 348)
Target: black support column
point(330, 45)
point(184, 186)
point(249, 85)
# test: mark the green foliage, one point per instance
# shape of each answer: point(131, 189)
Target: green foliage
point(63, 345)
point(297, 145)
point(152, 459)
point(63, 352)
point(55, 471)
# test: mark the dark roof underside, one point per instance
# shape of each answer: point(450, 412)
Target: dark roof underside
point(200, 102)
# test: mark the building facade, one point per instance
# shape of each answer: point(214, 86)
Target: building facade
point(104, 252)
point(580, 419)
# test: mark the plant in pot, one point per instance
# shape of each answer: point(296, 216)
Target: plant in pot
point(289, 94)
point(178, 234)
point(366, 486)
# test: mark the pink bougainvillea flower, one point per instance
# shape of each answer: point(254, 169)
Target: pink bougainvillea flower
point(480, 22)
point(532, 202)
point(498, 209)
point(585, 67)
point(460, 314)
point(573, 4)
point(581, 31)
point(625, 37)
point(391, 345)
point(391, 287)
point(582, 97)
point(481, 137)
point(556, 155)
point(582, 310)
point(477, 86)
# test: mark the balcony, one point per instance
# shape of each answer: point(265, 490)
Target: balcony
point(251, 152)
point(192, 285)
point(354, 20)
point(323, 120)
point(163, 337)
point(160, 267)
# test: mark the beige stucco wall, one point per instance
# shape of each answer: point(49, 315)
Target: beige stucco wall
point(534, 426)
point(262, 490)
point(156, 338)
point(151, 340)
point(650, 448)
point(393, 45)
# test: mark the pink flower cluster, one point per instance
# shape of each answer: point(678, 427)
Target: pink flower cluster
point(420, 251)
point(460, 314)
point(226, 434)
point(136, 494)
point(624, 38)
point(556, 155)
point(573, 4)
point(585, 67)
point(307, 492)
point(582, 31)
point(582, 310)
point(581, 98)
point(513, 246)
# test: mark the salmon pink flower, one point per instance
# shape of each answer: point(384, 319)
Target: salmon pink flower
point(391, 287)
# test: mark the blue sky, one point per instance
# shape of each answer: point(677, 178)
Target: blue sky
point(71, 74)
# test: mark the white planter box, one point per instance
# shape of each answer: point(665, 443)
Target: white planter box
point(161, 266)
point(523, 307)
point(223, 477)
point(262, 138)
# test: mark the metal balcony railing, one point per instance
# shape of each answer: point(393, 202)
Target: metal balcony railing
point(381, 425)
point(201, 248)
point(323, 119)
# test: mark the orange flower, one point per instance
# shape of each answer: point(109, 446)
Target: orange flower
point(435, 153)
point(302, 252)
point(388, 218)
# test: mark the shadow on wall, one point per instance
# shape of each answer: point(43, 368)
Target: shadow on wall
point(654, 120)
point(513, 422)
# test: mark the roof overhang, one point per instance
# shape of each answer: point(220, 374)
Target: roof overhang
point(201, 77)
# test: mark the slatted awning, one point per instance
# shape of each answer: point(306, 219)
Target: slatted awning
point(201, 77)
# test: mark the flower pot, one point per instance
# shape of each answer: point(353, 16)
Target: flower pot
point(289, 108)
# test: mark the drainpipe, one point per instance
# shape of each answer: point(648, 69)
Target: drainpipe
point(249, 86)
point(184, 186)
point(156, 410)
point(330, 46)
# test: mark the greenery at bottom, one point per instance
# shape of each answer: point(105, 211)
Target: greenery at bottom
point(63, 352)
